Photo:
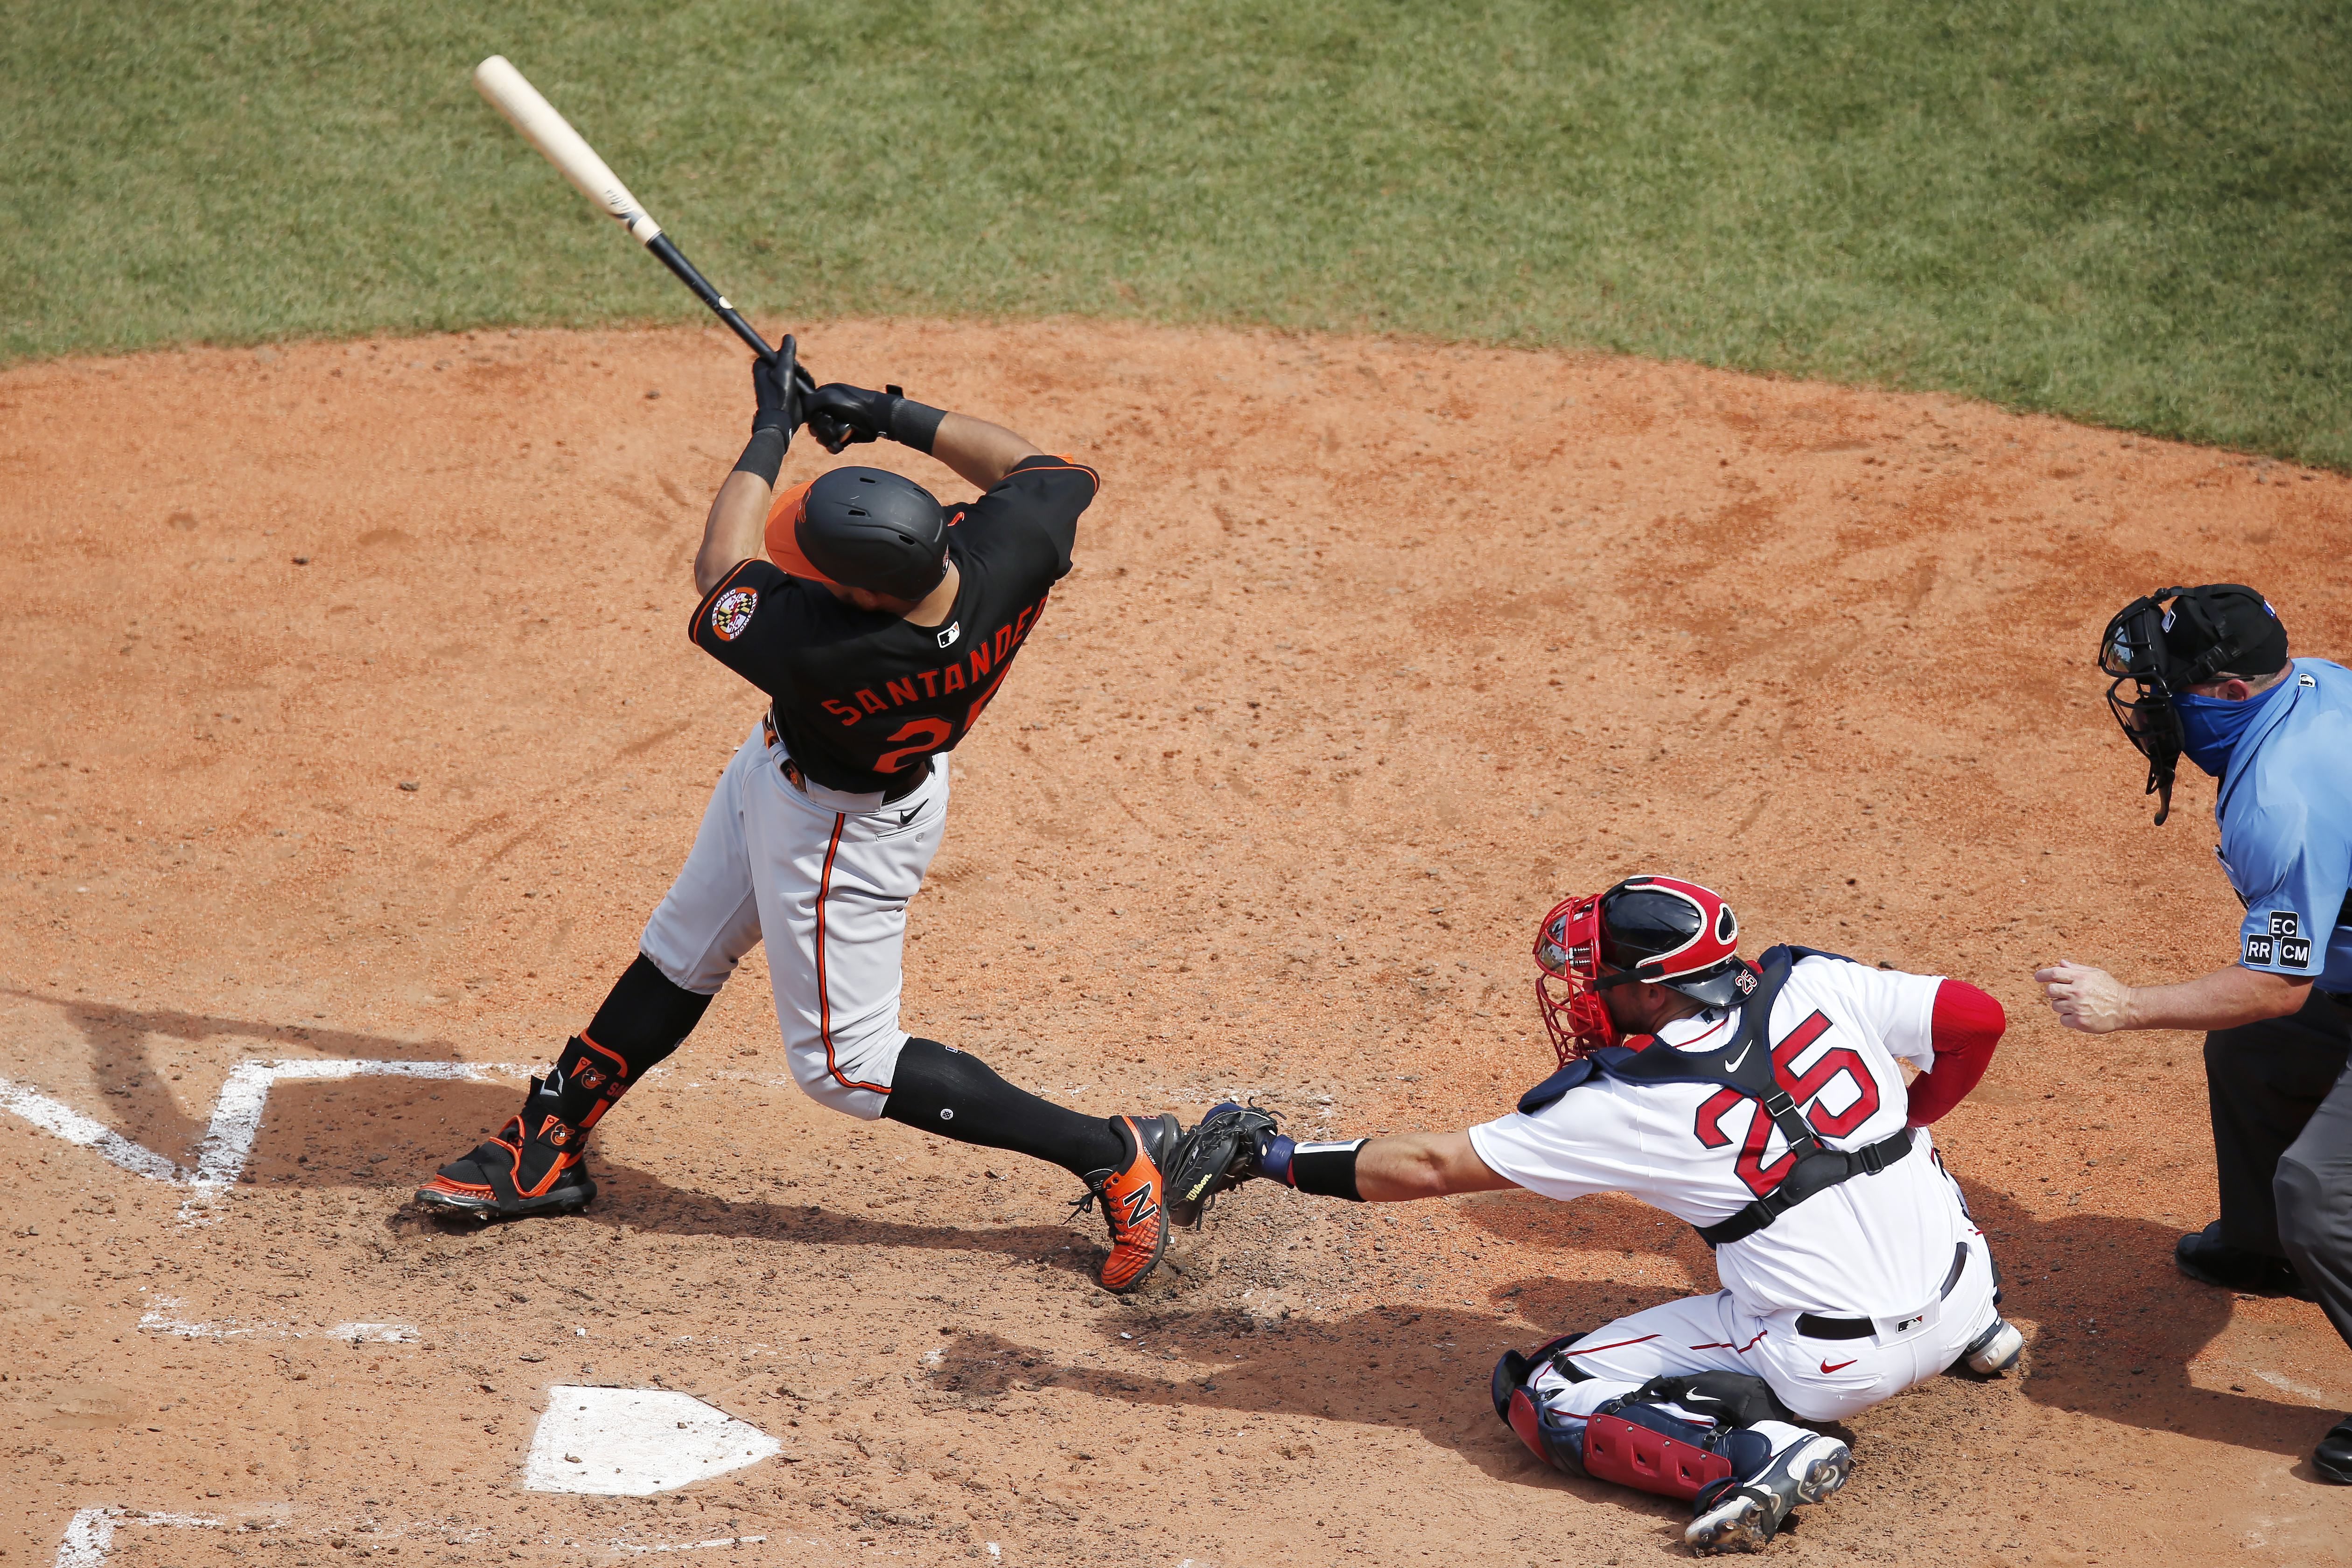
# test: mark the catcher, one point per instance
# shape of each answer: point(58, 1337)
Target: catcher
point(1762, 1104)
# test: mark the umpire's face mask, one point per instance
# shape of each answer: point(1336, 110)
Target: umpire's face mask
point(2132, 650)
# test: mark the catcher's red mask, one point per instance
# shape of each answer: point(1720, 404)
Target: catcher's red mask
point(1567, 991)
point(1657, 928)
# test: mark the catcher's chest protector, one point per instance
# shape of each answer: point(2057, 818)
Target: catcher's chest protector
point(1744, 1064)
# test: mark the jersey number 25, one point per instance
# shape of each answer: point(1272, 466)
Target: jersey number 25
point(1760, 1177)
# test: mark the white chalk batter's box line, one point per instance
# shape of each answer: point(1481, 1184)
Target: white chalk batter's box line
point(162, 1319)
point(227, 1143)
point(89, 1534)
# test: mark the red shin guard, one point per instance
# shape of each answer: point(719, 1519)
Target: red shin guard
point(1615, 1449)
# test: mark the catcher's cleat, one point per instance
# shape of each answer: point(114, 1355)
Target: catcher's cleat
point(1745, 1516)
point(1134, 1201)
point(519, 1172)
point(1995, 1351)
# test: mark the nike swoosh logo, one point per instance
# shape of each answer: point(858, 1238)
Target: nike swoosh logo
point(1839, 1367)
point(907, 816)
point(1733, 1065)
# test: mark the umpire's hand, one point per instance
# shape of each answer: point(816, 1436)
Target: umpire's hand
point(2085, 998)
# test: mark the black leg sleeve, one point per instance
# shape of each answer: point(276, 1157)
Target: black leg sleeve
point(643, 1020)
point(943, 1090)
point(646, 1017)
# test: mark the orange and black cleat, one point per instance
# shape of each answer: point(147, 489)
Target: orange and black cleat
point(1134, 1200)
point(533, 1166)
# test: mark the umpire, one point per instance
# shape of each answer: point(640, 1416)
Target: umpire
point(2209, 675)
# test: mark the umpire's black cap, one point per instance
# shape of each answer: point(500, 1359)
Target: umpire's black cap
point(2221, 628)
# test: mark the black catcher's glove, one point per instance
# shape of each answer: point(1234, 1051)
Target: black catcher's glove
point(1215, 1157)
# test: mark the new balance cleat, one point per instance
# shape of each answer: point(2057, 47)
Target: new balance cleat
point(1134, 1201)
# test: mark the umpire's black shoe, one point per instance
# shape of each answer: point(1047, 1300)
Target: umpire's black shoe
point(2333, 1457)
point(2205, 1256)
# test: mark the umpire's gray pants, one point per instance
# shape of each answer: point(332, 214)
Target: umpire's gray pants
point(2314, 1193)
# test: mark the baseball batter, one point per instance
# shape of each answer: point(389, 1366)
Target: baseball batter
point(880, 624)
point(1758, 1102)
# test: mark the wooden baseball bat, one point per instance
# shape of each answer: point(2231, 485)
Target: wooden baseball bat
point(497, 80)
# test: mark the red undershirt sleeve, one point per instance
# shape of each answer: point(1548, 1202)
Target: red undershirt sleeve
point(1966, 1026)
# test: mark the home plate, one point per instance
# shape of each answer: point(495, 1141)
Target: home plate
point(629, 1442)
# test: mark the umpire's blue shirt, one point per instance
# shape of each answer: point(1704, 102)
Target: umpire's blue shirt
point(2285, 811)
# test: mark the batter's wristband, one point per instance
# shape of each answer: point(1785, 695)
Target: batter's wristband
point(1327, 1170)
point(764, 455)
point(913, 424)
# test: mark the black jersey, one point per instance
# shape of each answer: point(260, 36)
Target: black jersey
point(863, 695)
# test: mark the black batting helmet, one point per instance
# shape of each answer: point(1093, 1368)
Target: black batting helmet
point(861, 528)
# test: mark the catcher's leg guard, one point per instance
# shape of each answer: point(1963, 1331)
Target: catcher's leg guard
point(1645, 1447)
point(1553, 1435)
point(533, 1166)
point(1132, 1201)
point(1513, 1371)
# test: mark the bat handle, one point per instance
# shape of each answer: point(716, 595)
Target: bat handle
point(691, 275)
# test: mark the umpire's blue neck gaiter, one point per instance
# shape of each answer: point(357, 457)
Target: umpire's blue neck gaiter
point(2210, 726)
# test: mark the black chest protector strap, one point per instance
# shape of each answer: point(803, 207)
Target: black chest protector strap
point(1743, 1063)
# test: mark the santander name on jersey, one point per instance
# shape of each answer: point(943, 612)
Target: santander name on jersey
point(1875, 1245)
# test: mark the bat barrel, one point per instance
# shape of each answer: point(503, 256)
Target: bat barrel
point(511, 95)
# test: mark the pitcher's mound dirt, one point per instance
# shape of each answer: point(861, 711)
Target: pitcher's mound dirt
point(351, 716)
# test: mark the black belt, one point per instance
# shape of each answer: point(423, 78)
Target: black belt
point(897, 790)
point(1819, 1328)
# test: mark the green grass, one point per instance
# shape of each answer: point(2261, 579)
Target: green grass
point(2136, 212)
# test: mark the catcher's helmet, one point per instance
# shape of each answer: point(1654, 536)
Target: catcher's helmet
point(1659, 929)
point(2177, 637)
point(861, 528)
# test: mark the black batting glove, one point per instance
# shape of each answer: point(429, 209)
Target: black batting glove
point(779, 406)
point(840, 415)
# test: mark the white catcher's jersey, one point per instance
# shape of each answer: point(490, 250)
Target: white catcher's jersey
point(1872, 1245)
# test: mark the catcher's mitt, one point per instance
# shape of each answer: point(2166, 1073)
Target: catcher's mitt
point(1217, 1156)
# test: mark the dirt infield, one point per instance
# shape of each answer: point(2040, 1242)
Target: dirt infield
point(350, 718)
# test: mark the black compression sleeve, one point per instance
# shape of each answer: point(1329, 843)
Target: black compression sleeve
point(764, 455)
point(957, 1095)
point(914, 424)
point(1327, 1170)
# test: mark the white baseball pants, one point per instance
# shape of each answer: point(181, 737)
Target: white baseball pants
point(1820, 1380)
point(823, 876)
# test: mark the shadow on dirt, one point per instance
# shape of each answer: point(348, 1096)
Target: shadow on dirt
point(645, 1203)
point(124, 1064)
point(1419, 1369)
point(2117, 1324)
